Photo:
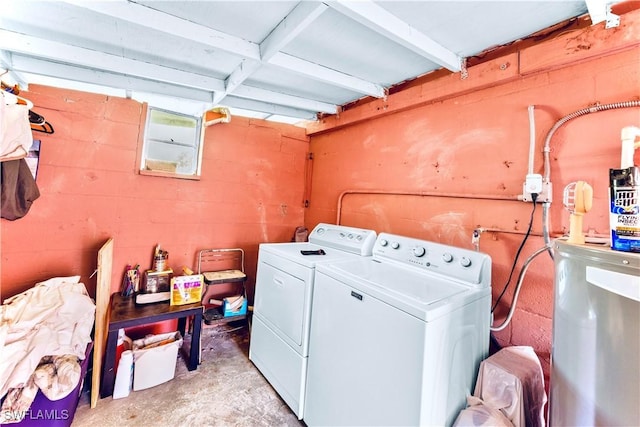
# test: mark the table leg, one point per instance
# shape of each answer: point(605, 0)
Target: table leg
point(194, 354)
point(182, 322)
point(108, 367)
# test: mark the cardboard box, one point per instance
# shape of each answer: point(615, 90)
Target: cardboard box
point(154, 359)
point(186, 289)
point(231, 307)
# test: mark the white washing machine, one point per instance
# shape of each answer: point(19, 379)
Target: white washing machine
point(397, 339)
point(282, 305)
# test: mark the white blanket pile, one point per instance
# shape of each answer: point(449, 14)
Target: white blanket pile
point(48, 325)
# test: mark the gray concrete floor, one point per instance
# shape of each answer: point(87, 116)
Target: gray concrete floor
point(225, 390)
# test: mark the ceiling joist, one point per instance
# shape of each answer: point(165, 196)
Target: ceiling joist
point(241, 73)
point(381, 21)
point(249, 92)
point(103, 78)
point(166, 23)
point(93, 59)
point(288, 29)
point(300, 17)
point(6, 63)
point(295, 58)
point(130, 74)
point(327, 75)
point(280, 110)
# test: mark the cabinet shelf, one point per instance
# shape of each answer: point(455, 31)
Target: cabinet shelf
point(223, 320)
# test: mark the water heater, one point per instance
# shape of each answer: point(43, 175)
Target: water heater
point(595, 359)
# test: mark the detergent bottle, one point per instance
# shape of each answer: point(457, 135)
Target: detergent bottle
point(624, 196)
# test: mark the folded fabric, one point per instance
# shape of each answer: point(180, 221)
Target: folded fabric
point(53, 318)
point(17, 403)
point(57, 376)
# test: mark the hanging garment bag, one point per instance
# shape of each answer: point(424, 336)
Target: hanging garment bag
point(18, 189)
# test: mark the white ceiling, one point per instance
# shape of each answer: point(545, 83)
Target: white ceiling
point(278, 58)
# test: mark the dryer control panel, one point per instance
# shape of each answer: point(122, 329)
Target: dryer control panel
point(455, 263)
point(358, 241)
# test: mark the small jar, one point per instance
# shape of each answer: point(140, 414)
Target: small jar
point(160, 263)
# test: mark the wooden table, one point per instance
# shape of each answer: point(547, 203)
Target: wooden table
point(126, 314)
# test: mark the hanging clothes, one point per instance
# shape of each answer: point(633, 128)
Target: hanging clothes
point(18, 189)
point(15, 129)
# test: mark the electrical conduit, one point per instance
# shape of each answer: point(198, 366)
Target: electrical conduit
point(532, 138)
point(546, 179)
point(514, 302)
point(547, 149)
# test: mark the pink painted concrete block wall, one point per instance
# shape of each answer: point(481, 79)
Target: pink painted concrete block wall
point(443, 138)
point(251, 191)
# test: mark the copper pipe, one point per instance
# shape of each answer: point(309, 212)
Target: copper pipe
point(500, 230)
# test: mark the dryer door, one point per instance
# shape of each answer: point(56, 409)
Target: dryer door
point(282, 301)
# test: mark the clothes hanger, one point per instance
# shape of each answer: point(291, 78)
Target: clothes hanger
point(10, 98)
point(15, 89)
point(36, 121)
point(35, 118)
point(44, 127)
point(39, 124)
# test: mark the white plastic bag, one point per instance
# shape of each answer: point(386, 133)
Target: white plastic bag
point(479, 414)
point(511, 383)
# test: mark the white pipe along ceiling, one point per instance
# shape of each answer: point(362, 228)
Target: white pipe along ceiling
point(296, 59)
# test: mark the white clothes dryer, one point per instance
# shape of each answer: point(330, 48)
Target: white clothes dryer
point(397, 339)
point(282, 303)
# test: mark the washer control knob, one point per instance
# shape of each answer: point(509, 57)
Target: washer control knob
point(395, 245)
point(419, 251)
point(358, 237)
point(342, 235)
point(350, 236)
point(320, 231)
point(447, 257)
point(383, 242)
point(465, 262)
